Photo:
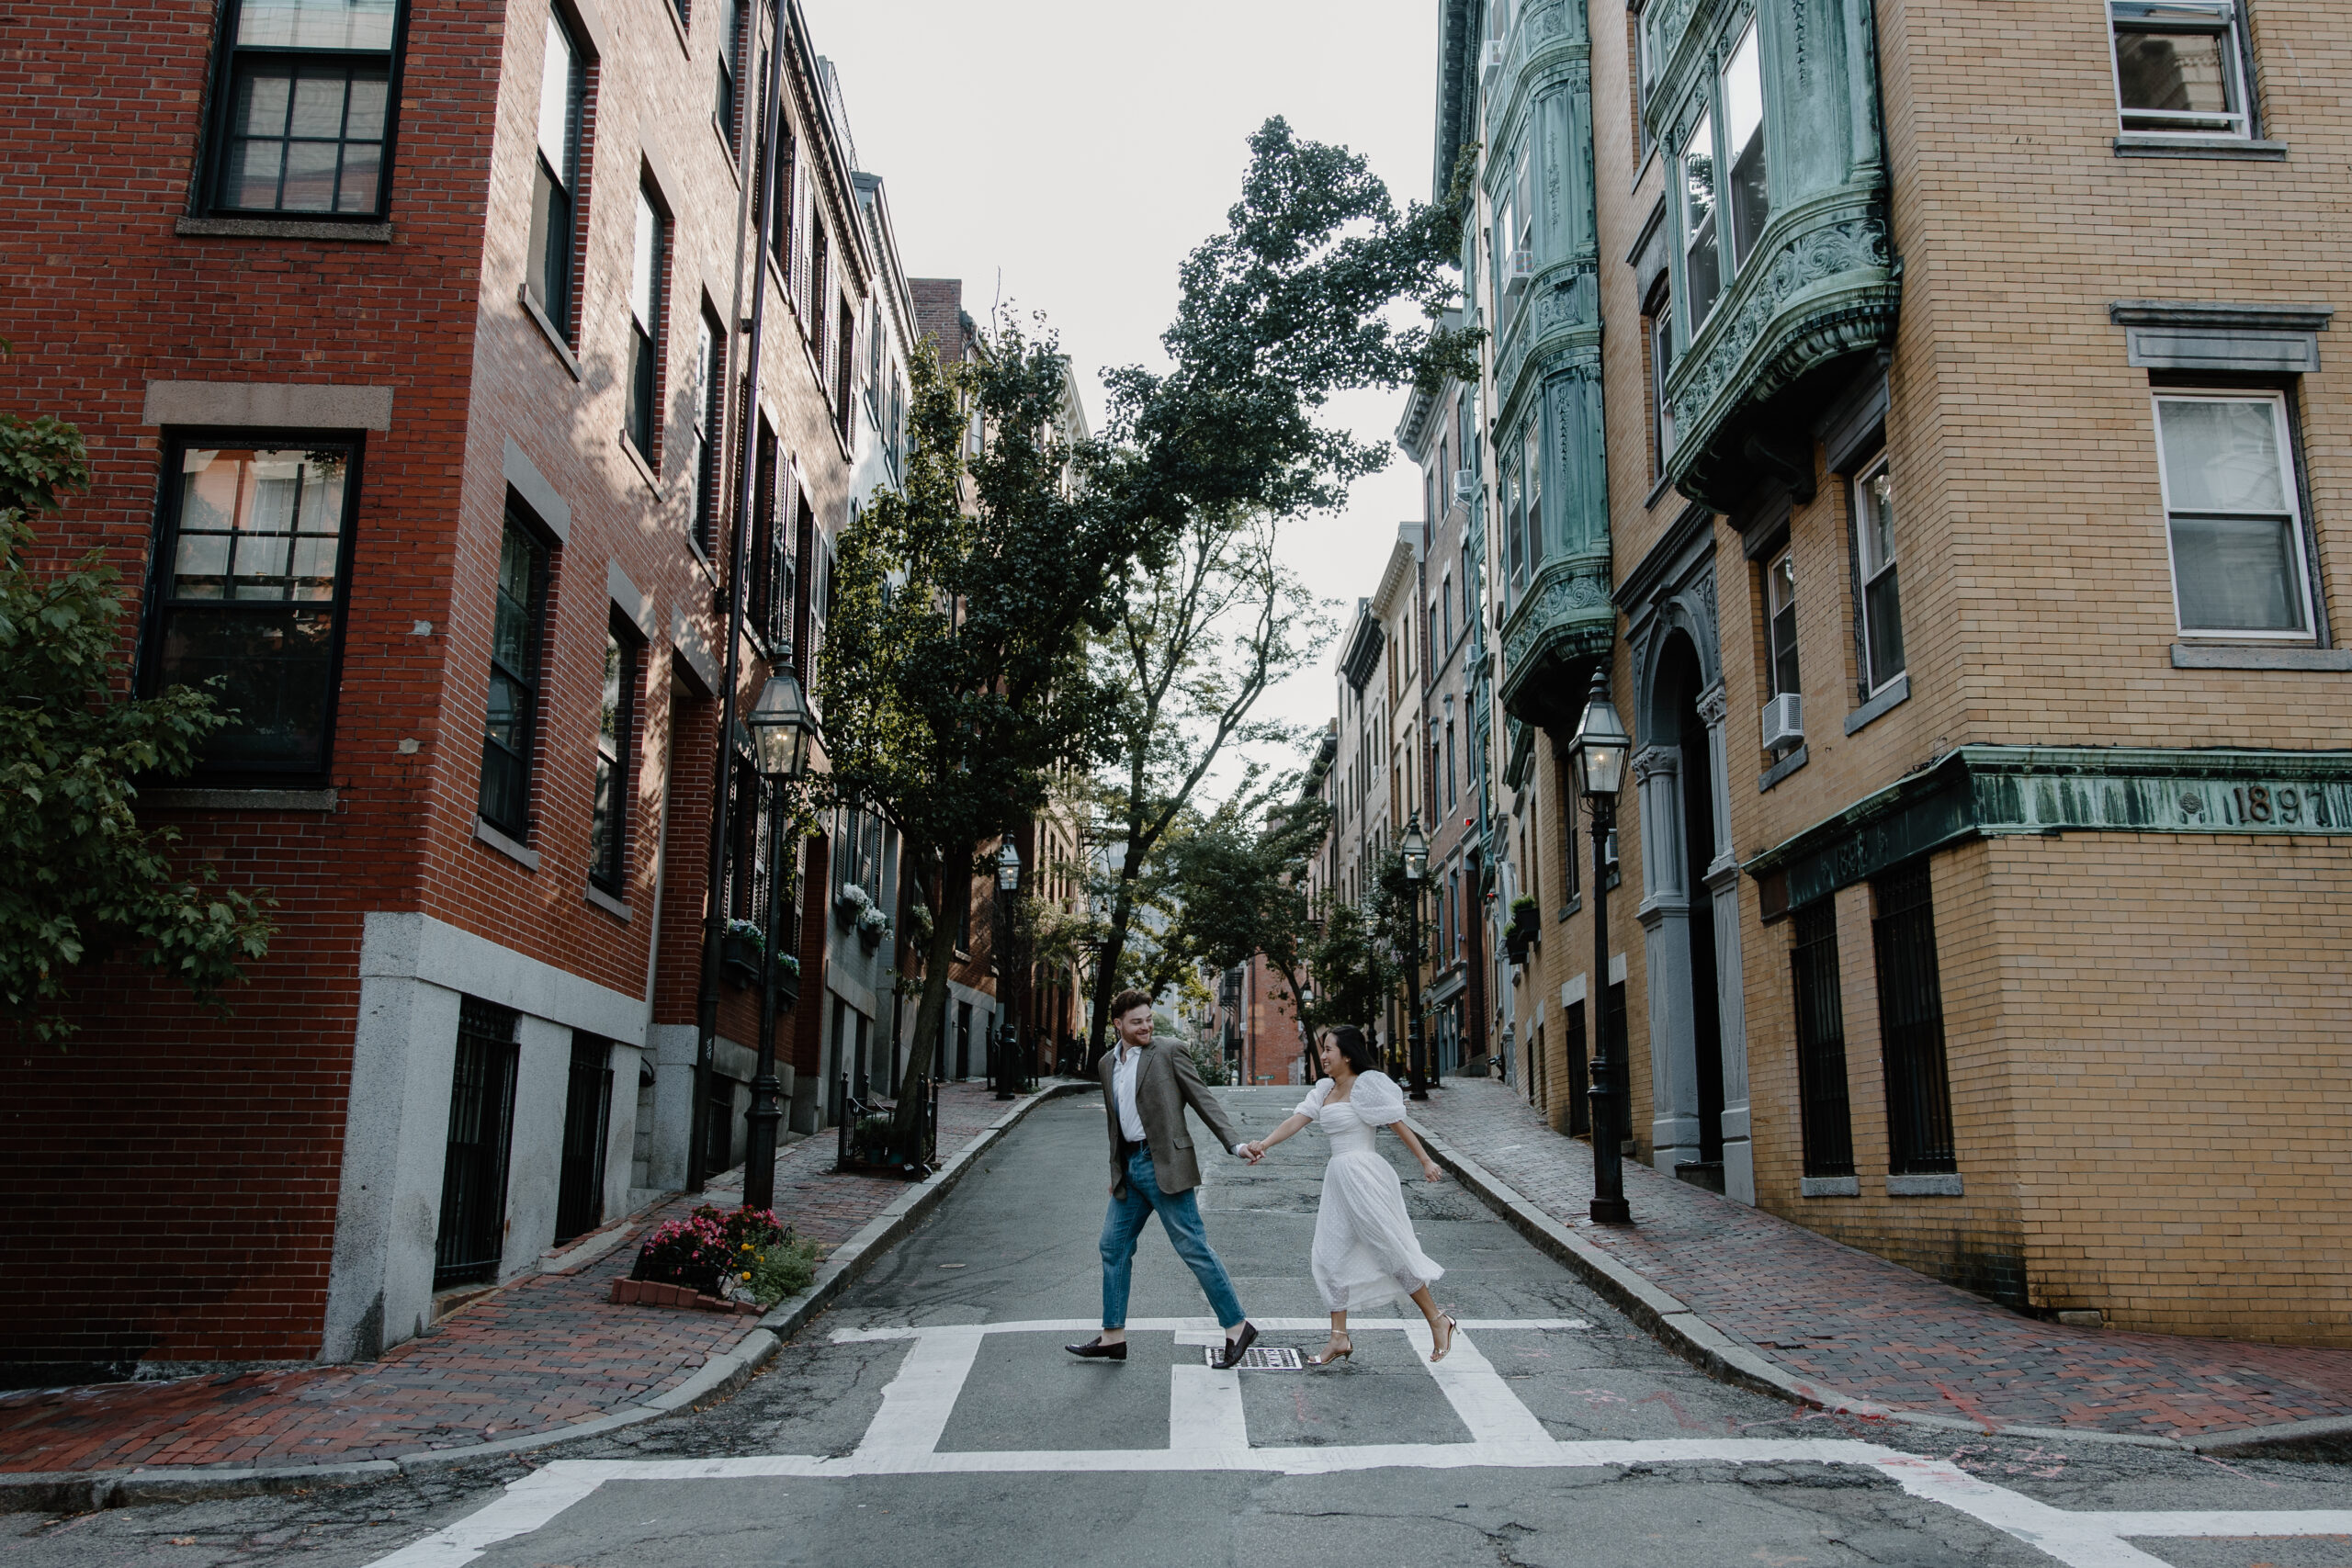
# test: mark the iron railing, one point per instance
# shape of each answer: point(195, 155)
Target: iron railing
point(846, 1146)
point(1822, 1111)
point(1911, 1025)
point(472, 1233)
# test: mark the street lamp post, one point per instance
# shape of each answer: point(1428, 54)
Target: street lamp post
point(781, 730)
point(1415, 851)
point(1008, 884)
point(1597, 756)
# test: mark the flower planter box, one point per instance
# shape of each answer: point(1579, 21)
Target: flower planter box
point(649, 1292)
point(740, 960)
point(787, 988)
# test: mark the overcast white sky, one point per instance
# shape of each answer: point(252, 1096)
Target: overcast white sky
point(1082, 149)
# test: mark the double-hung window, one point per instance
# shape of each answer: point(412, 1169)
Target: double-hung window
point(616, 748)
point(1702, 277)
point(510, 719)
point(1781, 625)
point(1514, 503)
point(2239, 560)
point(1874, 561)
point(703, 469)
point(1749, 192)
point(730, 44)
point(644, 325)
point(252, 583)
point(563, 81)
point(1534, 482)
point(306, 100)
point(2180, 67)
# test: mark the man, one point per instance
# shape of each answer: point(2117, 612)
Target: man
point(1145, 1091)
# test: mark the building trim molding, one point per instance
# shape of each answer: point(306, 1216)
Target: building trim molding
point(2005, 791)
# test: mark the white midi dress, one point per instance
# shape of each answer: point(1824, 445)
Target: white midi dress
point(1365, 1253)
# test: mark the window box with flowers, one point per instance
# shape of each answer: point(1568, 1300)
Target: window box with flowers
point(745, 1261)
point(741, 950)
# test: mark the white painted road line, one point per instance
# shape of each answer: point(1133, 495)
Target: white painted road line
point(1189, 1330)
point(916, 1406)
point(1208, 1432)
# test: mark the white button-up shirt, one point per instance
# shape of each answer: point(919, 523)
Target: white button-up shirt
point(1124, 1070)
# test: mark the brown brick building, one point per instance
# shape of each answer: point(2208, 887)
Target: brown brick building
point(410, 339)
point(1920, 409)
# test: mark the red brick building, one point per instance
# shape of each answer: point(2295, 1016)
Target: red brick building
point(410, 340)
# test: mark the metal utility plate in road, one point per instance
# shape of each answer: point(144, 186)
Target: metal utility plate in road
point(1258, 1358)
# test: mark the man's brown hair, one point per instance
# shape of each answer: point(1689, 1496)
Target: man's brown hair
point(1128, 1001)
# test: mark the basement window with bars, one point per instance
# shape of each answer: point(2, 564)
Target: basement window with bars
point(252, 579)
point(471, 1239)
point(1825, 1117)
point(305, 119)
point(1911, 1025)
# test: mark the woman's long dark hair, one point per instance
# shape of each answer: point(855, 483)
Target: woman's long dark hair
point(1353, 1046)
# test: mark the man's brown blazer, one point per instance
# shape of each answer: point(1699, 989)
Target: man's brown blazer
point(1165, 1083)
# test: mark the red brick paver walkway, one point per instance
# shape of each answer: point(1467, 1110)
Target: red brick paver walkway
point(546, 1352)
point(1869, 1329)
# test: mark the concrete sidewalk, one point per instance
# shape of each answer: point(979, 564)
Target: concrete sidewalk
point(1771, 1304)
point(538, 1359)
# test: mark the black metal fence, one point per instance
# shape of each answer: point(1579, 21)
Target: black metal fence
point(1911, 1025)
point(587, 1120)
point(853, 1151)
point(1826, 1118)
point(472, 1233)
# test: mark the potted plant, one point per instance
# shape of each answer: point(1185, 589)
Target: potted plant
point(741, 950)
point(1526, 920)
point(785, 976)
point(850, 905)
point(872, 925)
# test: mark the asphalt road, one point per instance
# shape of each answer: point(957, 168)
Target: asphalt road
point(933, 1420)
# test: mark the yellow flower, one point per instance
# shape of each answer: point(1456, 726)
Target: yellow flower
point(747, 1274)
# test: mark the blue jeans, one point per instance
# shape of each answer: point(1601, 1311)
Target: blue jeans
point(1180, 1215)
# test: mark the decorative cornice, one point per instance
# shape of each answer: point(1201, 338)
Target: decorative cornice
point(2232, 318)
point(2004, 791)
point(1831, 290)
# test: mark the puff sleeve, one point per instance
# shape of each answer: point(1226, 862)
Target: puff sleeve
point(1312, 1106)
point(1377, 1099)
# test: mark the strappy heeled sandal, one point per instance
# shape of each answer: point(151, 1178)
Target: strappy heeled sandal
point(1346, 1350)
point(1451, 1328)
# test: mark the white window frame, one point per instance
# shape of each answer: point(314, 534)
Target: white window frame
point(1735, 244)
point(2290, 483)
point(2226, 17)
point(1702, 134)
point(1866, 575)
point(1785, 557)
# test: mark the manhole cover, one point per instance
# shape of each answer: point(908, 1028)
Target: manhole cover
point(1258, 1358)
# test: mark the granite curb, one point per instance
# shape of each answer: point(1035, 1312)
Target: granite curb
point(79, 1491)
point(1674, 1325)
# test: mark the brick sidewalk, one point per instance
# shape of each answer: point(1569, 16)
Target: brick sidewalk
point(546, 1352)
point(1871, 1329)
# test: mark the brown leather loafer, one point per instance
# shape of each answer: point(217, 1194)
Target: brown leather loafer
point(1095, 1350)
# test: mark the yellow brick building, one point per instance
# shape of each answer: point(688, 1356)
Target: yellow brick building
point(1919, 406)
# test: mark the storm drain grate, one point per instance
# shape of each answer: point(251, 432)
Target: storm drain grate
point(1258, 1358)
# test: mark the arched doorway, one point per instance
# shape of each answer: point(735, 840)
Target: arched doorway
point(1679, 839)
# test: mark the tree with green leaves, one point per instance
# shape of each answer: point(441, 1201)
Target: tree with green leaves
point(80, 880)
point(1240, 887)
point(1291, 304)
point(953, 681)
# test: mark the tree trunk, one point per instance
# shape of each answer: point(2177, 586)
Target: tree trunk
point(907, 1125)
point(1106, 973)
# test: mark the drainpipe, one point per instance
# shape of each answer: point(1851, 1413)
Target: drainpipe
point(747, 498)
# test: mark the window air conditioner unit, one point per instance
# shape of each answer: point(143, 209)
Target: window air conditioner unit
point(1465, 486)
point(1522, 268)
point(1784, 723)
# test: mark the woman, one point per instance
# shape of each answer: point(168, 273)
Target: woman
point(1365, 1251)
